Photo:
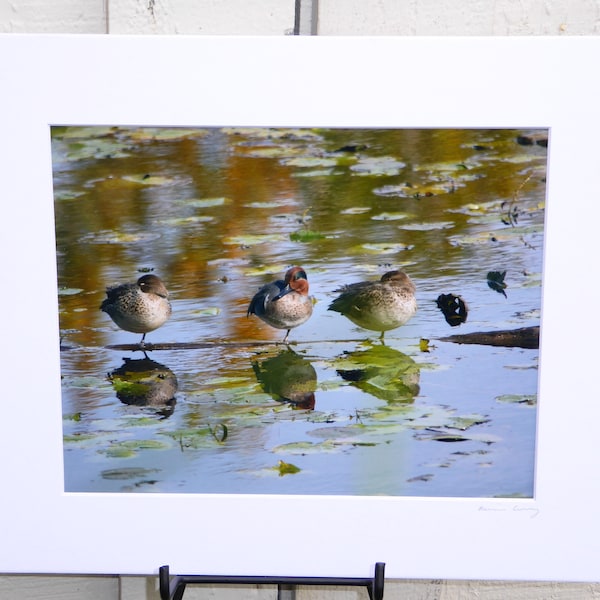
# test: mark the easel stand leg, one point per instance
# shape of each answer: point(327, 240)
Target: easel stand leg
point(173, 588)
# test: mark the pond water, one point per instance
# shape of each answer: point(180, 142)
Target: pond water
point(225, 407)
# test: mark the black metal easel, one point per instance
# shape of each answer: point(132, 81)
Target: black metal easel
point(172, 588)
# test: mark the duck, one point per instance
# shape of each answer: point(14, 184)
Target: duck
point(284, 304)
point(138, 307)
point(378, 305)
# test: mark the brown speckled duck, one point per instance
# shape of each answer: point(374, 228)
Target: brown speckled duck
point(378, 305)
point(138, 307)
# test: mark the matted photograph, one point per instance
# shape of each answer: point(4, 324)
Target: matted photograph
point(300, 306)
point(300, 310)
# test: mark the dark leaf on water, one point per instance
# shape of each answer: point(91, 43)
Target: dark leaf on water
point(453, 308)
point(495, 281)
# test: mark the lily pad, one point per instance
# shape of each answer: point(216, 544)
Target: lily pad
point(305, 235)
point(127, 473)
point(271, 204)
point(165, 133)
point(147, 179)
point(378, 166)
point(253, 240)
point(69, 291)
point(389, 216)
point(287, 468)
point(206, 202)
point(118, 237)
point(310, 162)
point(355, 210)
point(527, 399)
point(427, 226)
point(385, 248)
point(424, 190)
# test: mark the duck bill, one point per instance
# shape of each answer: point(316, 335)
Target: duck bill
point(286, 290)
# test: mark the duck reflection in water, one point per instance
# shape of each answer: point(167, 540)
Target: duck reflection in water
point(288, 377)
point(284, 304)
point(144, 382)
point(383, 372)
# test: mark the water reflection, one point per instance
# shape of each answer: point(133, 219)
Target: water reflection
point(288, 377)
point(383, 372)
point(144, 382)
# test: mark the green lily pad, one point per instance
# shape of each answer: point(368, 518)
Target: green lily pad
point(253, 240)
point(303, 448)
point(423, 190)
point(527, 399)
point(287, 468)
point(305, 235)
point(127, 473)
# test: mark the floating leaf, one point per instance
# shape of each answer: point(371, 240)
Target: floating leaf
point(69, 291)
point(388, 216)
point(61, 195)
point(206, 202)
point(287, 468)
point(315, 173)
point(427, 226)
point(528, 399)
point(310, 161)
point(305, 235)
point(165, 133)
point(130, 448)
point(355, 210)
point(385, 248)
point(118, 237)
point(127, 473)
point(179, 221)
point(271, 204)
point(424, 345)
point(147, 179)
point(97, 148)
point(424, 190)
point(253, 240)
point(303, 448)
point(210, 311)
point(465, 422)
point(377, 166)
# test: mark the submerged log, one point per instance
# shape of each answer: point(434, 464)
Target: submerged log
point(525, 337)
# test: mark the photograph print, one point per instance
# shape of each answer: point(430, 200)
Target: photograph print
point(300, 311)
